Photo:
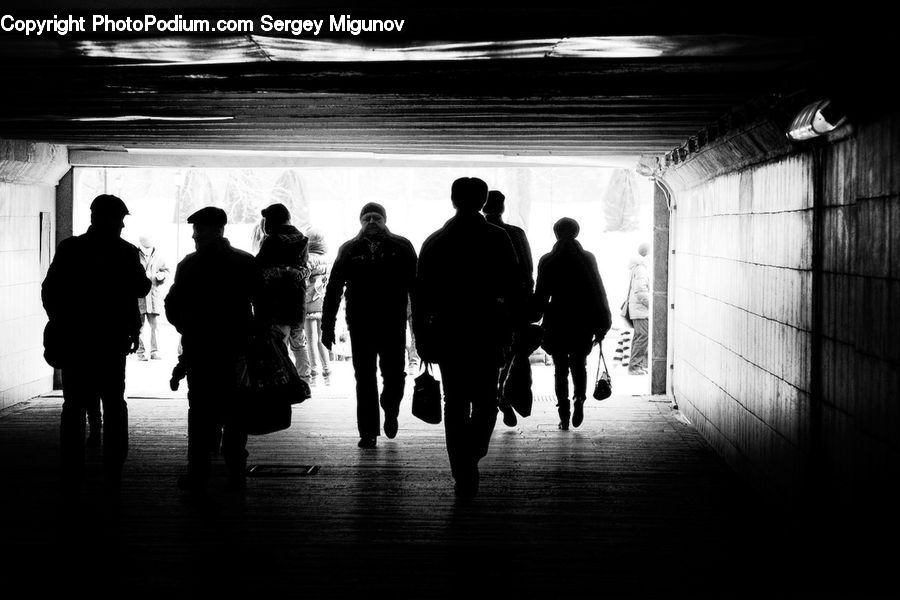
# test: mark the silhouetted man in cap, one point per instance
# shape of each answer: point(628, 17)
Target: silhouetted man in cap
point(281, 301)
point(467, 295)
point(378, 270)
point(210, 304)
point(91, 295)
point(493, 214)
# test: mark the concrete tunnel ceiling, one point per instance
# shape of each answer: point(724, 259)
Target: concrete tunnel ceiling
point(617, 80)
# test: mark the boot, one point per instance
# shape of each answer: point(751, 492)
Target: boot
point(564, 417)
point(578, 415)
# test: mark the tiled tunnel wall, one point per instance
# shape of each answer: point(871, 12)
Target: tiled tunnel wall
point(784, 333)
point(28, 174)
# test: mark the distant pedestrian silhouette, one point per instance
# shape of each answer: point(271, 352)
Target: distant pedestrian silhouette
point(281, 301)
point(493, 214)
point(571, 297)
point(210, 304)
point(317, 279)
point(151, 305)
point(91, 297)
point(378, 270)
point(467, 291)
point(636, 310)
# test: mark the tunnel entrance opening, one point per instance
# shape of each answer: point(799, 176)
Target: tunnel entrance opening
point(614, 208)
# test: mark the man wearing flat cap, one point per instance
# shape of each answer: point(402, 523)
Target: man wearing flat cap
point(467, 294)
point(375, 271)
point(91, 296)
point(210, 304)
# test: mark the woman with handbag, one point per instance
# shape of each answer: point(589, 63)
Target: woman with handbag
point(571, 297)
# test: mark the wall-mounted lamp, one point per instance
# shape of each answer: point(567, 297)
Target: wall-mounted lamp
point(814, 120)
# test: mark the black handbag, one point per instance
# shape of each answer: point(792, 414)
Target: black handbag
point(426, 400)
point(267, 384)
point(603, 387)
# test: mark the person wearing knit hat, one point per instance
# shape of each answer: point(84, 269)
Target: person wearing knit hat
point(493, 211)
point(375, 273)
point(467, 294)
point(281, 298)
point(571, 297)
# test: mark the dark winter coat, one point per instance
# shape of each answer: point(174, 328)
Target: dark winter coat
point(571, 297)
point(210, 302)
point(91, 293)
point(521, 246)
point(282, 261)
point(467, 289)
point(376, 282)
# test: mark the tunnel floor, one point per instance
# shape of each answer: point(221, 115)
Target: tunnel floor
point(633, 503)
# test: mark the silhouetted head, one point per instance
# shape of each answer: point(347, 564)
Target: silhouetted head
point(643, 249)
point(209, 226)
point(566, 229)
point(494, 204)
point(373, 219)
point(469, 194)
point(274, 216)
point(108, 215)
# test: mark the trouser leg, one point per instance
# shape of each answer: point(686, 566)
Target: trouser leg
point(312, 341)
point(297, 341)
point(234, 448)
point(202, 428)
point(78, 391)
point(392, 360)
point(638, 360)
point(115, 410)
point(320, 347)
point(578, 367)
point(561, 381)
point(456, 430)
point(470, 410)
point(368, 415)
point(141, 349)
point(153, 321)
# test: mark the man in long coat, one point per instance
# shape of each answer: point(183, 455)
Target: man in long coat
point(210, 304)
point(467, 299)
point(151, 305)
point(91, 295)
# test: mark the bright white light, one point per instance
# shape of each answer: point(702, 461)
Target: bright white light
point(149, 118)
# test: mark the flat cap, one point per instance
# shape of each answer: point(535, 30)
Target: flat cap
point(209, 215)
point(107, 204)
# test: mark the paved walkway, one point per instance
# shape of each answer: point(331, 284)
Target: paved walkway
point(633, 503)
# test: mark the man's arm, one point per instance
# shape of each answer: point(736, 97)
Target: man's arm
point(53, 289)
point(541, 292)
point(333, 292)
point(139, 284)
point(605, 317)
point(175, 302)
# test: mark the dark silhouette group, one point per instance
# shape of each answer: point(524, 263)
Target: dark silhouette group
point(470, 297)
